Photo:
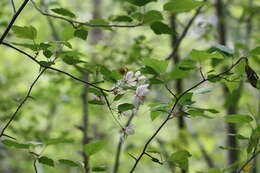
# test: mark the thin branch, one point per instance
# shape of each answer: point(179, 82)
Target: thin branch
point(35, 166)
point(174, 106)
point(184, 32)
point(9, 136)
point(120, 144)
point(54, 69)
point(174, 95)
point(21, 104)
point(248, 161)
point(13, 6)
point(110, 109)
point(132, 156)
point(13, 20)
point(71, 21)
point(201, 73)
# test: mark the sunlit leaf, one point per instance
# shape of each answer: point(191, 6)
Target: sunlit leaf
point(94, 147)
point(63, 12)
point(179, 6)
point(27, 32)
point(238, 118)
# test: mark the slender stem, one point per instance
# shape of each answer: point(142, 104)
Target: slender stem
point(248, 161)
point(174, 106)
point(184, 32)
point(13, 20)
point(21, 104)
point(54, 69)
point(120, 144)
point(35, 165)
point(13, 6)
point(84, 23)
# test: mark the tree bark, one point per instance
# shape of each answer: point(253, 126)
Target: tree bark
point(179, 82)
point(231, 140)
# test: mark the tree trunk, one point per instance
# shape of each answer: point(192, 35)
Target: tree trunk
point(230, 108)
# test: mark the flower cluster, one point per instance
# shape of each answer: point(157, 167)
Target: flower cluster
point(134, 80)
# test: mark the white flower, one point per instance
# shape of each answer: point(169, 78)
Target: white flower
point(137, 74)
point(141, 90)
point(130, 79)
point(140, 78)
point(140, 93)
point(129, 130)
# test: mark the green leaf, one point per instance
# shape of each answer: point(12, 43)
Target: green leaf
point(95, 91)
point(68, 163)
point(63, 12)
point(109, 75)
point(122, 18)
point(179, 6)
point(161, 28)
point(253, 141)
point(81, 33)
point(94, 147)
point(185, 98)
point(238, 118)
point(47, 53)
point(255, 51)
point(27, 32)
point(180, 158)
point(71, 60)
point(46, 63)
point(46, 161)
point(202, 55)
point(158, 65)
point(140, 2)
point(67, 33)
point(99, 169)
point(214, 170)
point(154, 115)
point(55, 141)
point(125, 107)
point(118, 97)
point(225, 51)
point(177, 73)
point(33, 47)
point(96, 102)
point(12, 143)
point(152, 16)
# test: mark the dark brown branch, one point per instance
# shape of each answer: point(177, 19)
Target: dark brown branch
point(13, 20)
point(71, 21)
point(21, 104)
point(174, 106)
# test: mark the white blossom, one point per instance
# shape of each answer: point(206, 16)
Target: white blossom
point(129, 130)
point(130, 79)
point(140, 93)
